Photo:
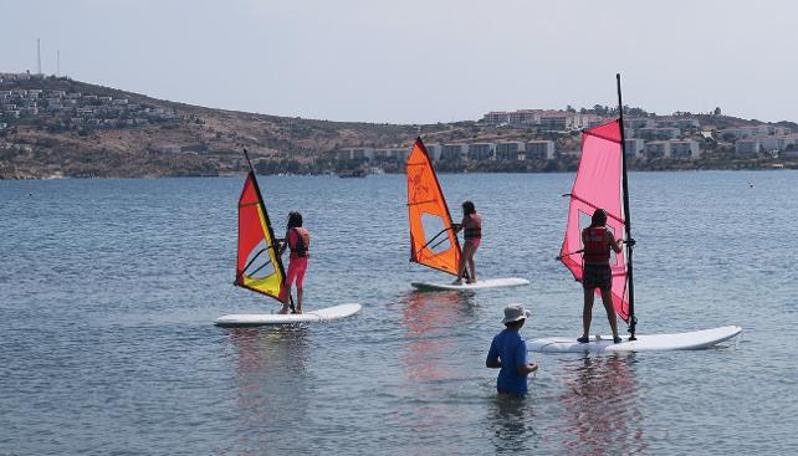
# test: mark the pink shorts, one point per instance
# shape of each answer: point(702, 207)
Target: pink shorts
point(296, 271)
point(475, 242)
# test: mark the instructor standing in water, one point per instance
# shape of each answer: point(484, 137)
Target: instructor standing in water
point(472, 234)
point(597, 241)
point(509, 354)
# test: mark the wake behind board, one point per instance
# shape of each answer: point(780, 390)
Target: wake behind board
point(481, 284)
point(646, 342)
point(326, 314)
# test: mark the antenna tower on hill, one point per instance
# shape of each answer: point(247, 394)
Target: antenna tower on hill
point(39, 55)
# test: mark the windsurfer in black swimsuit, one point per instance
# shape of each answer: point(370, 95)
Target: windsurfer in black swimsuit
point(472, 234)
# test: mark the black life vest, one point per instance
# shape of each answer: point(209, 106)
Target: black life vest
point(302, 245)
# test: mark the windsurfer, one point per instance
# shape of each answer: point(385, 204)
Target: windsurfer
point(297, 238)
point(509, 354)
point(597, 241)
point(472, 234)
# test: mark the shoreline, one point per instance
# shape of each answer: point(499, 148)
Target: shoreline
point(790, 167)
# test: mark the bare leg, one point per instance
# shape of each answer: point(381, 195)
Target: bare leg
point(461, 268)
point(284, 310)
point(587, 312)
point(606, 297)
point(471, 265)
point(299, 300)
point(468, 261)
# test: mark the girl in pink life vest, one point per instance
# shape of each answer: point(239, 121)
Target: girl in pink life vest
point(472, 234)
point(597, 241)
point(297, 239)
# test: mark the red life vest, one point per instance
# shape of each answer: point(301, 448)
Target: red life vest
point(597, 250)
point(301, 244)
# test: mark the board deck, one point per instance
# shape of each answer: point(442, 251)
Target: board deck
point(326, 314)
point(481, 284)
point(645, 342)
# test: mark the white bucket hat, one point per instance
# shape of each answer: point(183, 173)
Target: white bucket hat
point(515, 312)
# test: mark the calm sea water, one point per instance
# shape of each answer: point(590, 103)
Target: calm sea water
point(108, 290)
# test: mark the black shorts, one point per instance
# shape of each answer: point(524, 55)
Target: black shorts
point(597, 276)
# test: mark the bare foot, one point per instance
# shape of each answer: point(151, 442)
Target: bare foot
point(283, 311)
point(458, 282)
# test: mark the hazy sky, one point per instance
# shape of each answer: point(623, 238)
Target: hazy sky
point(420, 61)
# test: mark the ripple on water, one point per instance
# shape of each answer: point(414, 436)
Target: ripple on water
point(109, 288)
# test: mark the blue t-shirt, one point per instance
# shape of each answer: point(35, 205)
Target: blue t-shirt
point(510, 349)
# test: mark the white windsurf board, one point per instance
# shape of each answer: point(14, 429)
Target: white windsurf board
point(326, 314)
point(480, 284)
point(645, 342)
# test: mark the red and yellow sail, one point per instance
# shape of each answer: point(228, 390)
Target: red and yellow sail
point(433, 242)
point(258, 266)
point(598, 185)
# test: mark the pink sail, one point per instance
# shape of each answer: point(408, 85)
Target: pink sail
point(598, 185)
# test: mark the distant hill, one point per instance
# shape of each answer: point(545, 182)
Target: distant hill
point(58, 127)
point(186, 140)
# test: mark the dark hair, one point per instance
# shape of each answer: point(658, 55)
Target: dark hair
point(294, 220)
point(515, 324)
point(468, 208)
point(599, 218)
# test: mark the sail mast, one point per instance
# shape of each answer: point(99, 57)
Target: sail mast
point(628, 217)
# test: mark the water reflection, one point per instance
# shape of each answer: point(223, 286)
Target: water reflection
point(510, 422)
point(274, 383)
point(430, 399)
point(431, 321)
point(602, 413)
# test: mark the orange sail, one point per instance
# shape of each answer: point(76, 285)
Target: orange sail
point(433, 242)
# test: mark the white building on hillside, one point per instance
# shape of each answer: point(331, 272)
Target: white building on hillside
point(453, 152)
point(546, 119)
point(539, 150)
point(635, 147)
point(496, 118)
point(753, 131)
point(509, 151)
point(355, 153)
point(480, 151)
point(686, 148)
point(747, 147)
point(434, 151)
point(770, 143)
point(656, 133)
point(657, 149)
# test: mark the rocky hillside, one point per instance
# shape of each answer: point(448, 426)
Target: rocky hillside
point(57, 127)
point(88, 138)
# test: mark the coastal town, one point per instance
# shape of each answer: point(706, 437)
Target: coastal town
point(72, 110)
point(56, 127)
point(647, 138)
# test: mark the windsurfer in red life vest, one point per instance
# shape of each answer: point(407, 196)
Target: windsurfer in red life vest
point(597, 241)
point(297, 239)
point(472, 233)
